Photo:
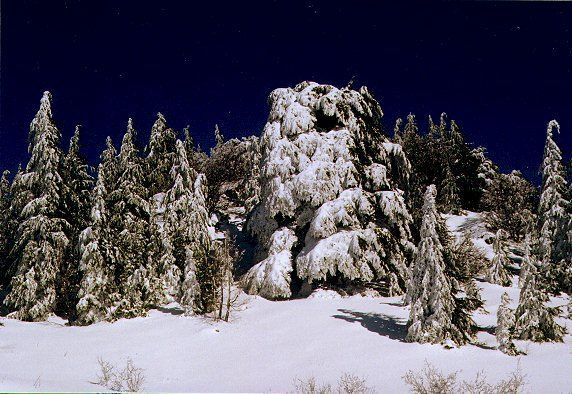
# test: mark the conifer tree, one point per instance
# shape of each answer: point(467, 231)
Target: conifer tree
point(487, 170)
point(161, 153)
point(195, 156)
point(535, 320)
point(95, 292)
point(208, 273)
point(498, 273)
point(450, 201)
point(190, 288)
point(185, 229)
point(429, 291)
point(20, 194)
point(77, 185)
point(510, 201)
point(5, 233)
point(110, 164)
point(130, 224)
point(505, 325)
point(554, 216)
point(525, 263)
point(41, 240)
point(397, 132)
point(219, 138)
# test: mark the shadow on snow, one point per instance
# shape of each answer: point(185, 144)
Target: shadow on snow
point(388, 326)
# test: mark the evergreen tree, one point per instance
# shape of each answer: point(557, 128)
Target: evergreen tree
point(110, 164)
point(498, 273)
point(505, 325)
point(486, 170)
point(76, 191)
point(190, 288)
point(397, 132)
point(510, 201)
point(219, 138)
point(450, 201)
point(554, 216)
point(5, 233)
point(41, 239)
point(208, 271)
point(534, 320)
point(97, 279)
point(161, 155)
point(526, 263)
point(129, 222)
point(195, 156)
point(429, 291)
point(185, 230)
point(20, 194)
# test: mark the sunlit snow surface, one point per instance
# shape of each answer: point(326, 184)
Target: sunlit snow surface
point(269, 344)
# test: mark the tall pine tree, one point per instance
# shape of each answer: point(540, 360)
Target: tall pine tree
point(186, 230)
point(498, 273)
point(95, 292)
point(429, 291)
point(129, 222)
point(161, 155)
point(5, 233)
point(535, 320)
point(77, 185)
point(41, 240)
point(554, 216)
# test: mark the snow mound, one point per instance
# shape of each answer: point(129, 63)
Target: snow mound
point(323, 294)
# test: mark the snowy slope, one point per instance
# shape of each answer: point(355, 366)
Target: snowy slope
point(266, 346)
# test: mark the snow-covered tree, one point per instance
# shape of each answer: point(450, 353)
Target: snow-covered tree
point(41, 239)
point(325, 175)
point(554, 216)
point(510, 200)
point(487, 169)
point(450, 200)
point(96, 286)
point(5, 233)
point(526, 260)
point(233, 185)
point(195, 155)
point(505, 325)
point(535, 320)
point(498, 272)
point(161, 154)
point(110, 163)
point(130, 224)
point(429, 291)
point(186, 232)
point(190, 289)
point(219, 138)
point(77, 185)
point(208, 271)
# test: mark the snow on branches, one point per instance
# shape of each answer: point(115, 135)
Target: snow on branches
point(330, 177)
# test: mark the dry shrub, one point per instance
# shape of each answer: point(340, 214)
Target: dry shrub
point(432, 381)
point(347, 384)
point(129, 379)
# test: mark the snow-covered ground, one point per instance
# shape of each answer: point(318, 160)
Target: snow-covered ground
point(267, 345)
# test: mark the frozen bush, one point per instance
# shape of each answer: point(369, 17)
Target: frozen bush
point(129, 379)
point(347, 384)
point(430, 380)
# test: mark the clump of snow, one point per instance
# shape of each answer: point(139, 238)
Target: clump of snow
point(271, 277)
point(324, 294)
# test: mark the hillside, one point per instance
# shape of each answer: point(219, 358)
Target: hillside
point(270, 343)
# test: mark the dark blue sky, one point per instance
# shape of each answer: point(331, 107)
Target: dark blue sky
point(502, 70)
